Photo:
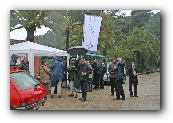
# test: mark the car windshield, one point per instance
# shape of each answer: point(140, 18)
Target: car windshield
point(24, 81)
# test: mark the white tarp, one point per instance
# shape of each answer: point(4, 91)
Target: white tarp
point(91, 32)
point(34, 49)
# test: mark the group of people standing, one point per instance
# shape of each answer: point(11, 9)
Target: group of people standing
point(84, 75)
point(116, 71)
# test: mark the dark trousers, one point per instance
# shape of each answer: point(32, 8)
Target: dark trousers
point(112, 83)
point(101, 81)
point(119, 88)
point(133, 83)
point(90, 84)
point(96, 80)
point(84, 88)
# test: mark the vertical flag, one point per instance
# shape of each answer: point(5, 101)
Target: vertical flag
point(91, 32)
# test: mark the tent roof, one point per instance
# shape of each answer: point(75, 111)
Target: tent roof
point(37, 49)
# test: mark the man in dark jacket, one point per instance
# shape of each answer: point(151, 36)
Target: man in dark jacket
point(97, 73)
point(112, 75)
point(83, 72)
point(119, 79)
point(24, 65)
point(133, 80)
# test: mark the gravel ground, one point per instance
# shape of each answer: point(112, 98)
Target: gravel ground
point(148, 92)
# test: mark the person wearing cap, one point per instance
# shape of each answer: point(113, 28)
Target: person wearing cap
point(72, 77)
point(112, 75)
point(83, 73)
point(133, 80)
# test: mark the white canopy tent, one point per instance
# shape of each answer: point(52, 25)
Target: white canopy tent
point(34, 49)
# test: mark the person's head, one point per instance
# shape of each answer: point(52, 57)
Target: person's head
point(14, 58)
point(87, 62)
point(25, 59)
point(59, 58)
point(120, 58)
point(95, 60)
point(54, 57)
point(114, 60)
point(133, 64)
point(43, 62)
point(82, 61)
point(101, 61)
point(72, 60)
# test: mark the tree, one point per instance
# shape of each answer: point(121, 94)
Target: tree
point(32, 19)
point(140, 17)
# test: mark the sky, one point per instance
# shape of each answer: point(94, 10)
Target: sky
point(20, 34)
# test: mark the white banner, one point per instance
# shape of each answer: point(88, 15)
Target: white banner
point(91, 32)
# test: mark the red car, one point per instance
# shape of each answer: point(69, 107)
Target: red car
point(26, 93)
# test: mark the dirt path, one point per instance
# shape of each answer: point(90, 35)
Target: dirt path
point(148, 92)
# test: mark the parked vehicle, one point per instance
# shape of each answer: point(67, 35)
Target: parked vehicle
point(26, 93)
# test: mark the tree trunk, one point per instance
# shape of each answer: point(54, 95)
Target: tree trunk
point(67, 38)
point(30, 33)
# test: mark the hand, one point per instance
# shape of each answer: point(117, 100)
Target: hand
point(77, 59)
point(115, 67)
point(83, 73)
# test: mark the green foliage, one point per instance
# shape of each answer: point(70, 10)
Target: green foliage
point(135, 38)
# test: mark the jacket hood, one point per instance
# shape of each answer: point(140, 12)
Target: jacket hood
point(59, 59)
point(14, 58)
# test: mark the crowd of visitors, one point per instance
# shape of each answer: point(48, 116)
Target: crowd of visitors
point(83, 75)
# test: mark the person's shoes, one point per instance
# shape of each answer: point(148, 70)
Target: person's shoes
point(52, 96)
point(59, 96)
point(101, 87)
point(112, 94)
point(123, 98)
point(71, 95)
point(136, 96)
point(76, 96)
point(131, 96)
point(97, 88)
point(117, 98)
point(80, 98)
point(83, 99)
point(79, 91)
point(94, 88)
